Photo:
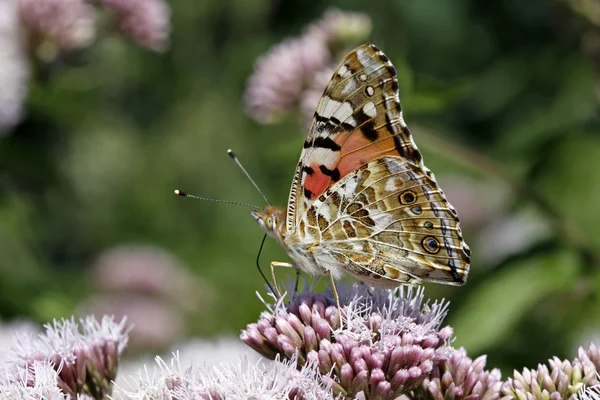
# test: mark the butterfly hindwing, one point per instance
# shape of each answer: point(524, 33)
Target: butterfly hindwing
point(388, 222)
point(357, 120)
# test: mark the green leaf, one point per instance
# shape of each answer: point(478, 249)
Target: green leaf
point(495, 307)
point(569, 179)
point(532, 125)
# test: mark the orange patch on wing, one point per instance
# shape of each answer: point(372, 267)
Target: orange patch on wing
point(317, 183)
point(357, 150)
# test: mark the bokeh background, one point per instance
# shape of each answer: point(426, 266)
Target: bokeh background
point(106, 110)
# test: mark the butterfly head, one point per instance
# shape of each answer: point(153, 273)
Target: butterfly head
point(270, 220)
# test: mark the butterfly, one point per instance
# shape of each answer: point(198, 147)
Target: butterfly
point(362, 202)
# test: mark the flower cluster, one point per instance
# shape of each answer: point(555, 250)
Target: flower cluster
point(14, 73)
point(70, 24)
point(461, 377)
point(83, 357)
point(563, 380)
point(389, 344)
point(45, 29)
point(38, 381)
point(151, 287)
point(144, 21)
point(292, 71)
point(277, 380)
point(67, 23)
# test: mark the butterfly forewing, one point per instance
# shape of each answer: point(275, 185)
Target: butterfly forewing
point(361, 196)
point(357, 120)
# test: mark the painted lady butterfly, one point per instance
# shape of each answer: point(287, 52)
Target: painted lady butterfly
point(362, 201)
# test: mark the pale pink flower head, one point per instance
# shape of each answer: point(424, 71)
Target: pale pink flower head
point(390, 341)
point(463, 378)
point(33, 382)
point(150, 270)
point(313, 93)
point(14, 71)
point(561, 379)
point(340, 26)
point(281, 75)
point(291, 73)
point(157, 323)
point(243, 380)
point(146, 22)
point(85, 356)
point(67, 23)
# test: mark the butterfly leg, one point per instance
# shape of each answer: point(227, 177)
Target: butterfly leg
point(278, 264)
point(337, 298)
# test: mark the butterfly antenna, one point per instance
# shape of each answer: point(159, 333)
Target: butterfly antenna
point(237, 161)
point(184, 194)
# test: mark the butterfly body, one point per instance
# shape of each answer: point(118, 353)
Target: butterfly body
point(362, 202)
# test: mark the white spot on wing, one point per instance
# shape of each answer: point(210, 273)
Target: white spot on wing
point(351, 121)
point(370, 91)
point(390, 185)
point(357, 247)
point(395, 166)
point(350, 87)
point(344, 112)
point(327, 157)
point(325, 212)
point(370, 65)
point(349, 189)
point(370, 109)
point(339, 110)
point(343, 71)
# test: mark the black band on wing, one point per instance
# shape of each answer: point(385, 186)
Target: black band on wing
point(334, 174)
point(323, 142)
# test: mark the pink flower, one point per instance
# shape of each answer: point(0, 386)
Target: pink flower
point(280, 76)
point(14, 74)
point(390, 342)
point(67, 23)
point(147, 22)
point(462, 378)
point(85, 356)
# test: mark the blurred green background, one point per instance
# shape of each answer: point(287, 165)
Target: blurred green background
point(502, 101)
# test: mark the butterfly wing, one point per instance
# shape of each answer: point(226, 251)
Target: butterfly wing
point(386, 223)
point(361, 194)
point(357, 120)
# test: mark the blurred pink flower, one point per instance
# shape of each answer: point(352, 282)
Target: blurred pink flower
point(67, 23)
point(157, 324)
point(281, 74)
point(149, 270)
point(147, 22)
point(14, 73)
point(313, 93)
point(340, 26)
